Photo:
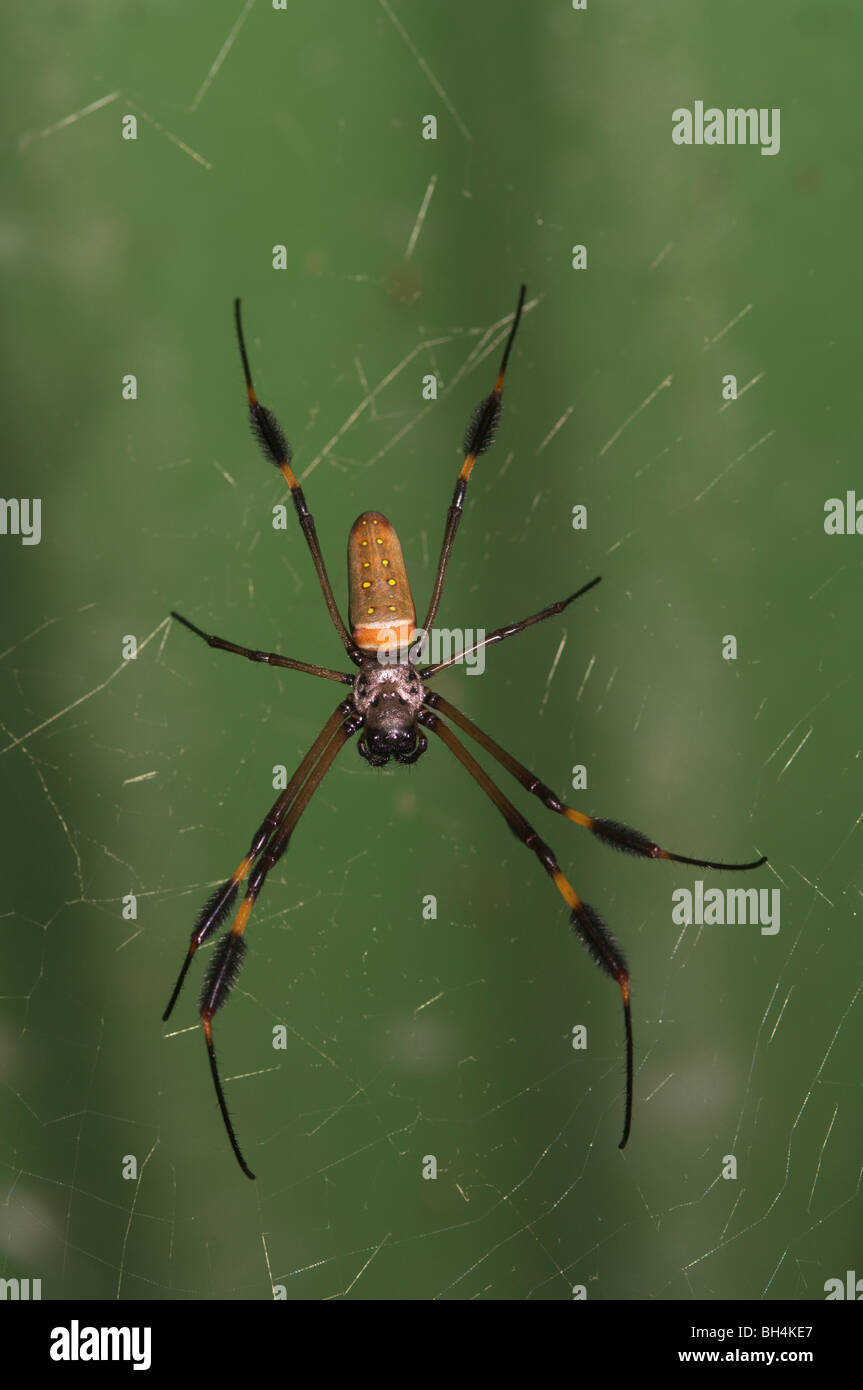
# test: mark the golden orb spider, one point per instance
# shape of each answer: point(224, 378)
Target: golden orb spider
point(390, 706)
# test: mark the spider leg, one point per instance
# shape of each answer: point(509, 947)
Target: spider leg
point(220, 902)
point(585, 920)
point(269, 658)
point(510, 631)
point(610, 832)
point(479, 437)
point(227, 958)
point(275, 447)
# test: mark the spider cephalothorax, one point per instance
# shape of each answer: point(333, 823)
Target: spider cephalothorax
point(389, 706)
point(388, 700)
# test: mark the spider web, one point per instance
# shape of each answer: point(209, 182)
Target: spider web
point(410, 1038)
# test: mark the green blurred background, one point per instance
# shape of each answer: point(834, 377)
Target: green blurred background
point(409, 1037)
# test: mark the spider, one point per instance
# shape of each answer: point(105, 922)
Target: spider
point(391, 707)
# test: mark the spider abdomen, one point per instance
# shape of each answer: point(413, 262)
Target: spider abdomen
point(382, 614)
